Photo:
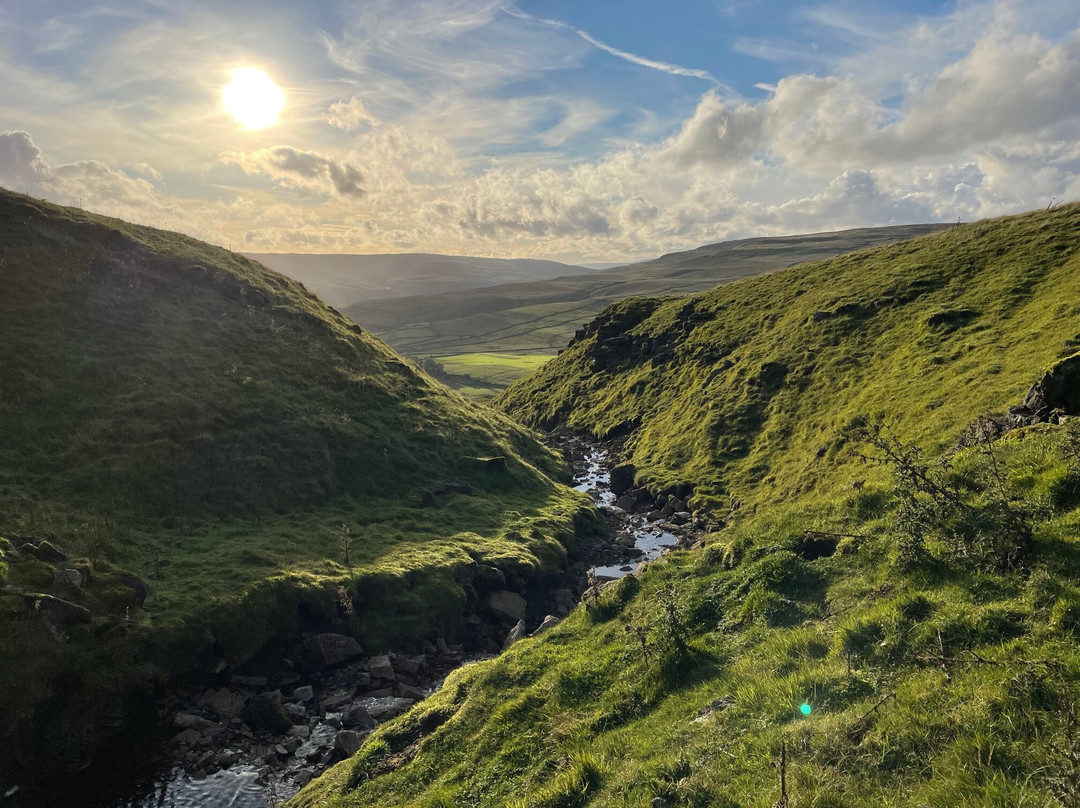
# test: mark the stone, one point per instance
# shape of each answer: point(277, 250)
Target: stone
point(380, 667)
point(328, 650)
point(263, 712)
point(381, 693)
point(137, 585)
point(68, 580)
point(187, 737)
point(509, 607)
point(516, 633)
point(549, 622)
point(336, 700)
point(191, 721)
point(358, 716)
point(348, 742)
point(300, 731)
point(304, 694)
point(660, 802)
point(622, 478)
point(388, 708)
point(46, 551)
point(564, 600)
point(626, 503)
point(296, 711)
point(57, 610)
point(303, 777)
point(681, 517)
point(409, 665)
point(292, 744)
point(409, 692)
point(225, 704)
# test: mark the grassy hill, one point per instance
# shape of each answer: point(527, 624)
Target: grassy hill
point(179, 419)
point(886, 612)
point(499, 332)
point(342, 280)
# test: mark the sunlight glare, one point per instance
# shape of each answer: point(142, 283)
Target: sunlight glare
point(253, 99)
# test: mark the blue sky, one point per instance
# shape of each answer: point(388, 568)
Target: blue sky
point(587, 131)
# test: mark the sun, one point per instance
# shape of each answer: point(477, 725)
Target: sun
point(253, 99)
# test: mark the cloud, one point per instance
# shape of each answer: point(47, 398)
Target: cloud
point(294, 168)
point(349, 115)
point(21, 166)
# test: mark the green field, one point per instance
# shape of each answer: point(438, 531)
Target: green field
point(495, 368)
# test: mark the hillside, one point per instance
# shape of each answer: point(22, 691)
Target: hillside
point(498, 333)
point(186, 435)
point(343, 280)
point(886, 611)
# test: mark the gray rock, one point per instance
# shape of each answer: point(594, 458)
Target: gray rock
point(191, 721)
point(507, 606)
point(660, 802)
point(681, 517)
point(336, 700)
point(225, 704)
point(45, 551)
point(263, 712)
point(304, 694)
point(292, 744)
point(381, 693)
point(409, 665)
point(187, 737)
point(549, 622)
point(380, 667)
point(564, 600)
point(300, 731)
point(328, 650)
point(303, 777)
point(622, 478)
point(358, 716)
point(348, 741)
point(410, 692)
point(516, 633)
point(297, 712)
point(68, 580)
point(389, 707)
point(626, 503)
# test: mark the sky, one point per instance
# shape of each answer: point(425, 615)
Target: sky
point(578, 130)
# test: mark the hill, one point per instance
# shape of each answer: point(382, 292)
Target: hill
point(342, 280)
point(885, 445)
point(498, 333)
point(200, 461)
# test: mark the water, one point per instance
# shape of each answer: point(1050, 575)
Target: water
point(652, 541)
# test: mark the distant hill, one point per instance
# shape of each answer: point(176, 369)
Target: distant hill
point(185, 433)
point(342, 280)
point(540, 317)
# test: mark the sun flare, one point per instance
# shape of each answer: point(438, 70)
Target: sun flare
point(253, 99)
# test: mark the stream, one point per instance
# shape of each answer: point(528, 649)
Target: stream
point(152, 775)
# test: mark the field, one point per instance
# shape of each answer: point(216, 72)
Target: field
point(495, 368)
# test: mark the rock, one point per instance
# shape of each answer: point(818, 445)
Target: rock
point(292, 745)
point(191, 721)
point(303, 777)
point(45, 551)
point(681, 517)
point(409, 692)
point(187, 737)
point(296, 711)
point(564, 600)
point(455, 486)
point(622, 478)
point(380, 667)
point(549, 622)
point(348, 741)
point(381, 693)
point(263, 712)
point(516, 633)
point(489, 577)
point(626, 503)
point(336, 700)
point(409, 665)
point(300, 731)
point(486, 463)
point(388, 708)
point(57, 610)
point(660, 802)
point(304, 694)
point(509, 607)
point(139, 592)
point(328, 650)
point(254, 682)
point(225, 704)
point(358, 716)
point(68, 581)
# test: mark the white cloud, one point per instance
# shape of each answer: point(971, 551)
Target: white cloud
point(295, 168)
point(349, 115)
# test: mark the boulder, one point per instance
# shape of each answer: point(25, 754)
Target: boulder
point(303, 777)
point(509, 607)
point(302, 731)
point(516, 633)
point(564, 600)
point(335, 701)
point(263, 712)
point(390, 707)
point(359, 717)
point(59, 611)
point(187, 737)
point(626, 502)
point(549, 622)
point(409, 665)
point(225, 704)
point(296, 711)
point(622, 478)
point(139, 592)
point(348, 742)
point(304, 694)
point(380, 667)
point(328, 650)
point(192, 721)
point(45, 551)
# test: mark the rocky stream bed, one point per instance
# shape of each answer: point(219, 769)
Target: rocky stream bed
point(247, 741)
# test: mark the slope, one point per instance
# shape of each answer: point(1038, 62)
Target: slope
point(886, 610)
point(539, 318)
point(342, 280)
point(186, 434)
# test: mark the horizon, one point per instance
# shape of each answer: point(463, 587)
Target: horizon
point(538, 130)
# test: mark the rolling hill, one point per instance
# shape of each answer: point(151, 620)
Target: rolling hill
point(538, 318)
point(886, 445)
point(186, 437)
point(343, 280)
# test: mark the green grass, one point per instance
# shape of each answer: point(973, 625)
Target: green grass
point(177, 411)
point(945, 681)
point(497, 368)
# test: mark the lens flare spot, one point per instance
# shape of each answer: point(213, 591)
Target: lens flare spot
point(805, 708)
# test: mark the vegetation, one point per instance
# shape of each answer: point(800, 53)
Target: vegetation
point(881, 556)
point(179, 419)
point(527, 320)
